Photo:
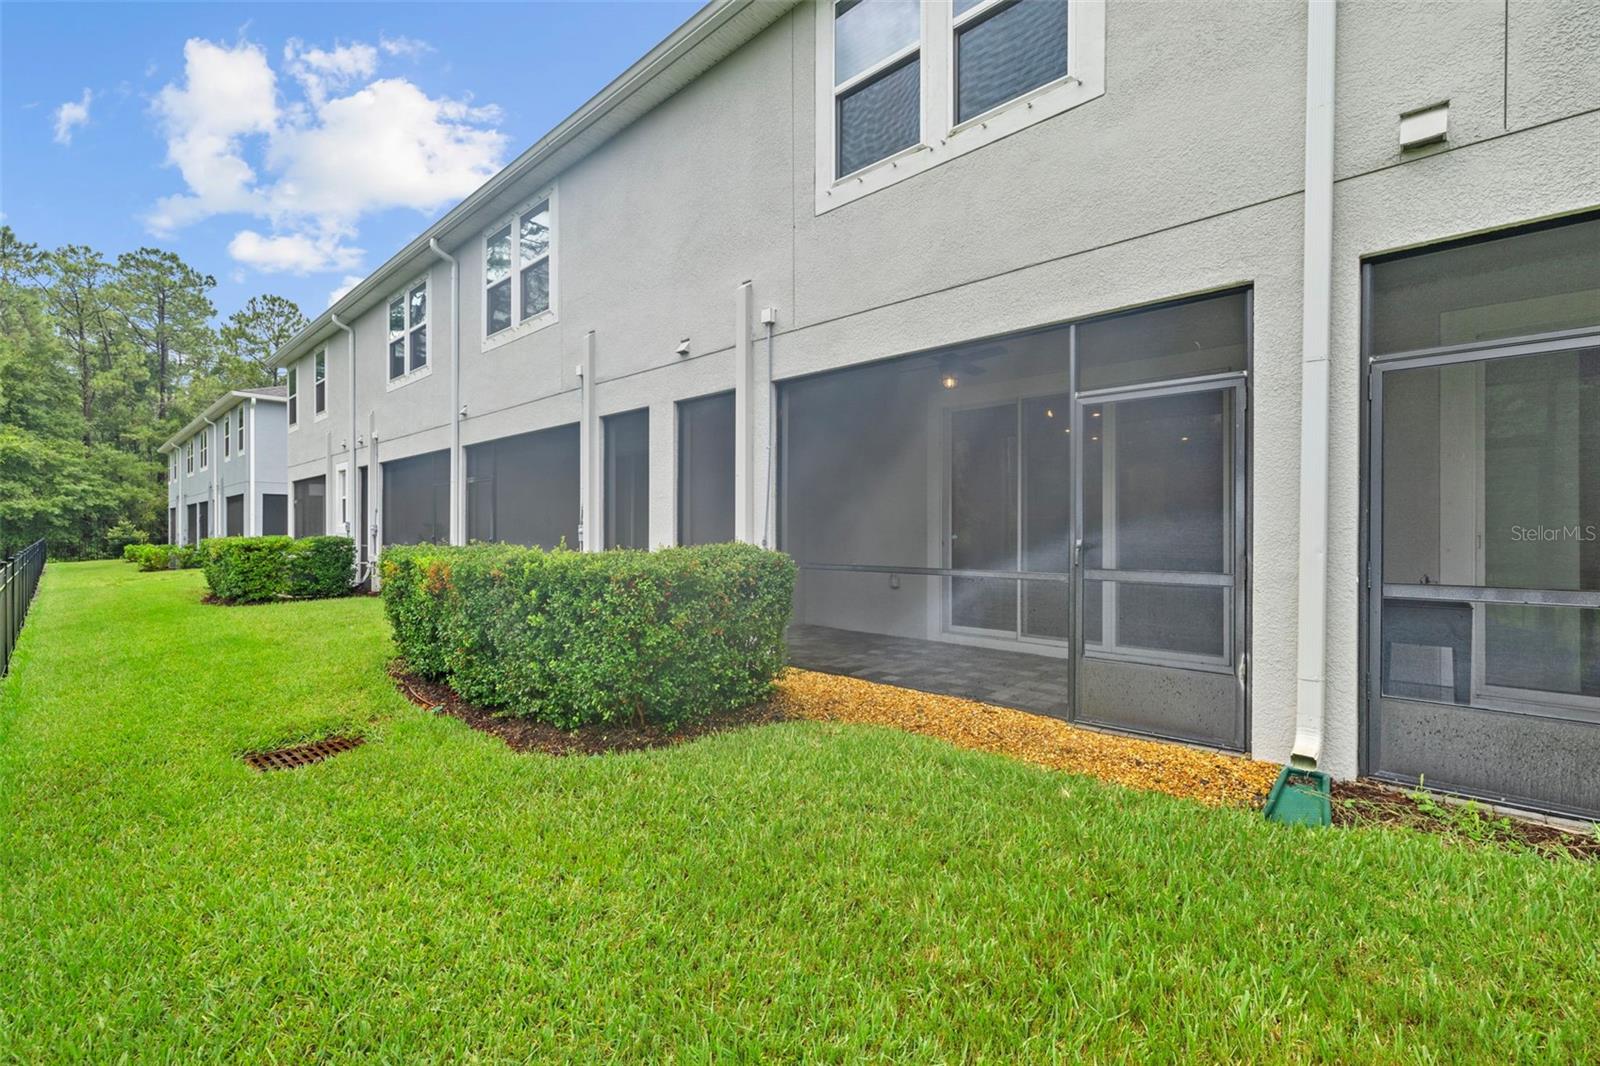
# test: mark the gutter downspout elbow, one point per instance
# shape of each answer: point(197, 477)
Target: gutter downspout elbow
point(1316, 312)
point(458, 532)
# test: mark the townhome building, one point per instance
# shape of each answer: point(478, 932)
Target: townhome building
point(1226, 373)
point(226, 469)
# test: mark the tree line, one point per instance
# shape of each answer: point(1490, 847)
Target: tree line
point(102, 360)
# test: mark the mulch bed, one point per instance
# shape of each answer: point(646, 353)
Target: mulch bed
point(522, 734)
point(1367, 803)
point(1189, 773)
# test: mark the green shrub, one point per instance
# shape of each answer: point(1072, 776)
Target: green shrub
point(132, 552)
point(572, 638)
point(187, 556)
point(246, 569)
point(261, 569)
point(319, 567)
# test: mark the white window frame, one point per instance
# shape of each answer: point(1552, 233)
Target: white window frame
point(403, 294)
point(341, 496)
point(942, 137)
point(188, 457)
point(205, 449)
point(519, 327)
point(292, 396)
point(227, 442)
point(239, 444)
point(319, 385)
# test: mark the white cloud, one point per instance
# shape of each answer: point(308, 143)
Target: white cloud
point(313, 164)
point(72, 114)
point(228, 93)
point(293, 253)
point(350, 281)
point(319, 71)
point(386, 145)
point(409, 47)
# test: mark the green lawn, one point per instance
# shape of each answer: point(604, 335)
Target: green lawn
point(794, 891)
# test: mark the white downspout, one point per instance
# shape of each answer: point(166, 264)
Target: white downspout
point(1316, 312)
point(252, 502)
point(590, 529)
point(350, 351)
point(214, 461)
point(458, 531)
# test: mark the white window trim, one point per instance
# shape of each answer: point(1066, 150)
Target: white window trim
point(942, 138)
point(322, 415)
point(291, 398)
point(519, 327)
point(403, 294)
point(341, 498)
point(188, 458)
point(227, 442)
point(205, 450)
point(238, 444)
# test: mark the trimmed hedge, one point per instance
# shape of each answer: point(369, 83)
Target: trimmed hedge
point(151, 557)
point(571, 638)
point(261, 569)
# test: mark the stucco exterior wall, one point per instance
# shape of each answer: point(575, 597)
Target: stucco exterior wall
point(1185, 177)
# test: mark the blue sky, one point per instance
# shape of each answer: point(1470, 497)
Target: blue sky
point(285, 147)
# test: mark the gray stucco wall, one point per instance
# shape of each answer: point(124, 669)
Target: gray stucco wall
point(1185, 177)
point(229, 474)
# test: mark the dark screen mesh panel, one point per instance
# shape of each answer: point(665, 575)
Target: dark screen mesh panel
point(1533, 282)
point(1003, 55)
point(524, 489)
point(1192, 339)
point(416, 499)
point(194, 524)
point(627, 482)
point(235, 516)
point(274, 514)
point(881, 117)
point(205, 520)
point(705, 470)
point(310, 515)
point(172, 525)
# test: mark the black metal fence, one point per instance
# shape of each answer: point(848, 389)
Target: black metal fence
point(19, 579)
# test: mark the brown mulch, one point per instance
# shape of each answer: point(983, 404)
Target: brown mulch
point(523, 734)
point(1367, 803)
point(1154, 766)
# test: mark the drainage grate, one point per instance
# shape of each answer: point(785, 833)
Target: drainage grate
point(302, 755)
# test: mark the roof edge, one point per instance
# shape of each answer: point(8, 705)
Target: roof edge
point(219, 405)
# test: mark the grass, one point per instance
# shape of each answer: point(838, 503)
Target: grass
point(795, 891)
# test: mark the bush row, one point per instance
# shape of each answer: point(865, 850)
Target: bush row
point(162, 556)
point(571, 638)
point(259, 569)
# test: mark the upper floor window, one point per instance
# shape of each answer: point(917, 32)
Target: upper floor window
point(517, 270)
point(877, 78)
point(188, 458)
point(903, 86)
point(320, 382)
point(294, 396)
point(241, 429)
point(204, 440)
point(227, 438)
point(1004, 49)
point(174, 474)
point(408, 330)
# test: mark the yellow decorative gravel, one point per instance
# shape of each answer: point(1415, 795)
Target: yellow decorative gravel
point(1209, 777)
